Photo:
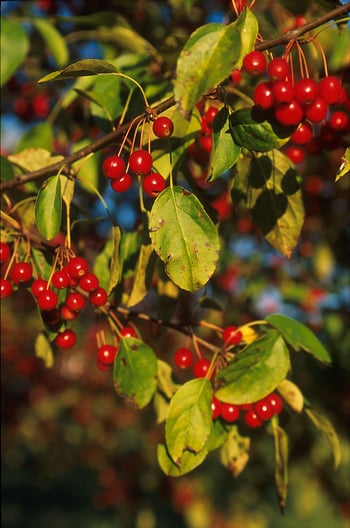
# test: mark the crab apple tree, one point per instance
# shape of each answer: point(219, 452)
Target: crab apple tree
point(110, 213)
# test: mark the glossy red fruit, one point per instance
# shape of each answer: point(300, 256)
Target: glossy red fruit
point(60, 279)
point(65, 339)
point(275, 401)
point(215, 408)
point(106, 354)
point(263, 95)
point(75, 301)
point(47, 299)
point(295, 154)
point(77, 267)
point(201, 367)
point(128, 331)
point(330, 89)
point(338, 121)
point(252, 419)
point(306, 91)
point(163, 127)
point(89, 282)
point(210, 114)
point(153, 184)
point(67, 314)
point(183, 358)
point(114, 167)
point(98, 297)
point(289, 114)
point(6, 288)
point(317, 111)
point(303, 134)
point(236, 76)
point(278, 69)
point(254, 63)
point(264, 409)
point(21, 272)
point(231, 335)
point(122, 184)
point(5, 252)
point(246, 406)
point(283, 92)
point(38, 286)
point(229, 412)
point(140, 162)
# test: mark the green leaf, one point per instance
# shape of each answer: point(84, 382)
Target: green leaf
point(89, 168)
point(189, 421)
point(38, 136)
point(80, 69)
point(299, 336)
point(42, 266)
point(114, 273)
point(184, 237)
point(108, 275)
point(272, 192)
point(14, 48)
point(48, 207)
point(225, 152)
point(54, 40)
point(251, 130)
point(281, 462)
point(67, 190)
point(43, 350)
point(234, 454)
point(165, 380)
point(324, 425)
point(142, 278)
point(189, 461)
point(6, 169)
point(256, 370)
point(344, 168)
point(135, 371)
point(218, 435)
point(32, 159)
point(207, 58)
point(248, 27)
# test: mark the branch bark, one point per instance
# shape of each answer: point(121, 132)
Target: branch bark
point(111, 137)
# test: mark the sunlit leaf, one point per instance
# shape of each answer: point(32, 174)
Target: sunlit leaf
point(14, 48)
point(189, 461)
point(208, 57)
point(292, 395)
point(54, 40)
point(141, 279)
point(269, 184)
point(256, 371)
point(325, 426)
point(234, 454)
point(281, 462)
point(48, 207)
point(80, 68)
point(299, 336)
point(135, 371)
point(184, 237)
point(43, 350)
point(189, 421)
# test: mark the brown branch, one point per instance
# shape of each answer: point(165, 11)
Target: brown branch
point(110, 138)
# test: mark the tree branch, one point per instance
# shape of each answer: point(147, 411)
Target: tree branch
point(108, 139)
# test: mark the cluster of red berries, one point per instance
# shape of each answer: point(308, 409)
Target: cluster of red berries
point(254, 414)
point(71, 277)
point(140, 164)
point(199, 151)
point(184, 358)
point(106, 353)
point(301, 104)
